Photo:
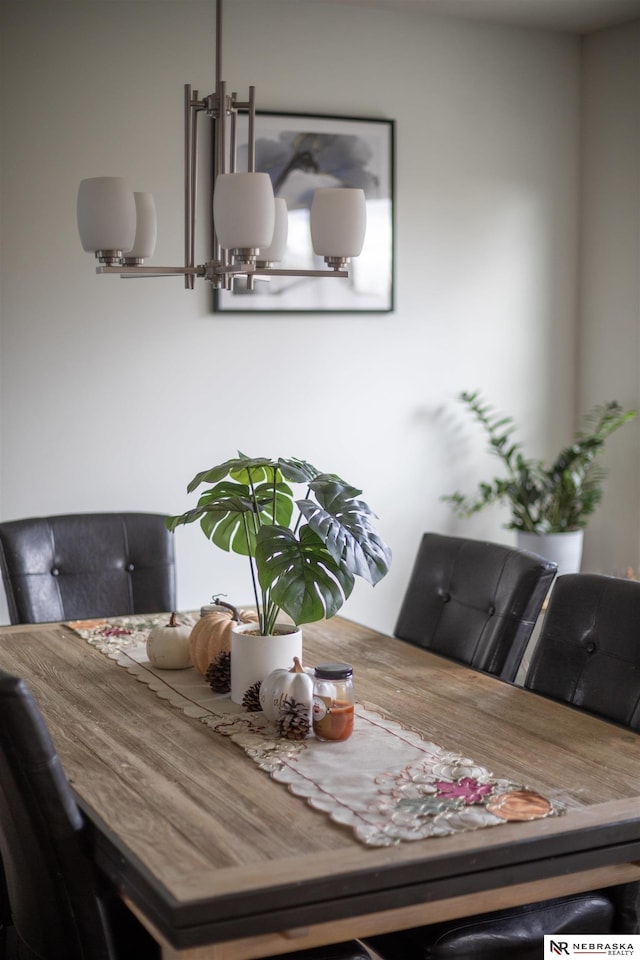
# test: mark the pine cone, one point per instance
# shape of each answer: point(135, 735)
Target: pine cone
point(251, 698)
point(218, 674)
point(293, 722)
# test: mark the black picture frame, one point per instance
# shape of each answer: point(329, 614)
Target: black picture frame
point(304, 151)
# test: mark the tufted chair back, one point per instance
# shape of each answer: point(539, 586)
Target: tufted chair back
point(474, 601)
point(87, 565)
point(588, 653)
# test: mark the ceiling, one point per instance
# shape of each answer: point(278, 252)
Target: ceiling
point(574, 16)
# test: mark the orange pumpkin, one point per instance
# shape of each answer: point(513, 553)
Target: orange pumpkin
point(211, 635)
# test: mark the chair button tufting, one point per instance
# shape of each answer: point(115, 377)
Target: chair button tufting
point(444, 596)
point(590, 647)
point(491, 611)
point(130, 567)
point(55, 572)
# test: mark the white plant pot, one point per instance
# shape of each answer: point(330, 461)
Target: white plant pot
point(565, 549)
point(254, 657)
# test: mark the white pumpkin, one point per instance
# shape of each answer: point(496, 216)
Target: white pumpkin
point(295, 684)
point(168, 645)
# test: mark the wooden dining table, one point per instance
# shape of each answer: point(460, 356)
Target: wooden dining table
point(220, 861)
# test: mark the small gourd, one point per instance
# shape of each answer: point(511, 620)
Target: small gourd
point(168, 645)
point(211, 635)
point(293, 684)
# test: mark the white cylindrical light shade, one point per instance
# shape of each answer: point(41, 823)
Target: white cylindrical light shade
point(146, 227)
point(106, 214)
point(243, 210)
point(275, 251)
point(338, 221)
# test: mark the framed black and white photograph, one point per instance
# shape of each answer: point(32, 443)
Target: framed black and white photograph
point(302, 153)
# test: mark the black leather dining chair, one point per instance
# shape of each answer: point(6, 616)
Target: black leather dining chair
point(588, 653)
point(474, 601)
point(61, 906)
point(588, 656)
point(80, 566)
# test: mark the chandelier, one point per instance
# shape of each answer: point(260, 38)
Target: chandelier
point(249, 225)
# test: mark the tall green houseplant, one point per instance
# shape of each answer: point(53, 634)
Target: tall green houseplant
point(304, 553)
point(555, 498)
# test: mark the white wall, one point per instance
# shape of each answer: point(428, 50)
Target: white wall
point(610, 281)
point(114, 393)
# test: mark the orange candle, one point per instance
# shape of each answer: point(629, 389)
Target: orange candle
point(337, 722)
point(332, 714)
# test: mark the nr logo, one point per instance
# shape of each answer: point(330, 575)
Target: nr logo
point(559, 947)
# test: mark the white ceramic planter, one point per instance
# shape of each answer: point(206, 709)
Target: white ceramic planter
point(565, 549)
point(254, 657)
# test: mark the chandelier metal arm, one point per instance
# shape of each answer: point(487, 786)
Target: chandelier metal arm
point(275, 272)
point(128, 273)
point(214, 269)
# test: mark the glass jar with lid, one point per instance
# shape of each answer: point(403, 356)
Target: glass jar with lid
point(333, 701)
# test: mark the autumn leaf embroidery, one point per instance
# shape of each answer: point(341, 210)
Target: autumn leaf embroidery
point(468, 789)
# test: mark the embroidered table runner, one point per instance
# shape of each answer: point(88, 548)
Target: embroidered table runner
point(385, 782)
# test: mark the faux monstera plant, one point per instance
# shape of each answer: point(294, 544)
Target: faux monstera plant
point(304, 553)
